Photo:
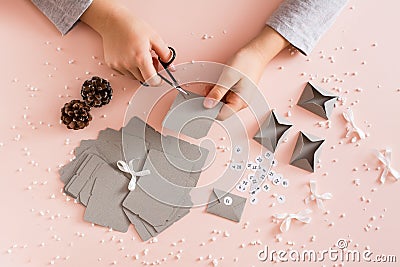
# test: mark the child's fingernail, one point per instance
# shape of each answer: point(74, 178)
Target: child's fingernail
point(172, 67)
point(210, 103)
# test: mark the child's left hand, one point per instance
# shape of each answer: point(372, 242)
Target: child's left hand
point(245, 68)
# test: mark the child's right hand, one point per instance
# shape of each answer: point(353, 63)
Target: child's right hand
point(127, 40)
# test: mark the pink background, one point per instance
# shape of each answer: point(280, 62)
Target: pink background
point(34, 144)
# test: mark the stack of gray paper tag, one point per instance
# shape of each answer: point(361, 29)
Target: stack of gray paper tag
point(159, 199)
point(188, 116)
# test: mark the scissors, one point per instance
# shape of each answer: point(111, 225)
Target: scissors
point(165, 65)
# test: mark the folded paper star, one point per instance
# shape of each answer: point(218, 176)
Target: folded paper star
point(317, 101)
point(306, 152)
point(272, 131)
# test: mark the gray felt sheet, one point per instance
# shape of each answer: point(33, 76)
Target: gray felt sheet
point(105, 203)
point(95, 181)
point(188, 116)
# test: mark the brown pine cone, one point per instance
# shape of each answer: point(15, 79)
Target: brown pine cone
point(75, 114)
point(96, 92)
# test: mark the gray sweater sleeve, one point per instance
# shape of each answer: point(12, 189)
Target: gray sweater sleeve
point(63, 13)
point(303, 22)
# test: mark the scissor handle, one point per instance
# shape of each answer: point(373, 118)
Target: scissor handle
point(172, 58)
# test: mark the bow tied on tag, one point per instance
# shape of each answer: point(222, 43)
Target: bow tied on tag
point(352, 128)
point(386, 158)
point(317, 197)
point(287, 218)
point(128, 168)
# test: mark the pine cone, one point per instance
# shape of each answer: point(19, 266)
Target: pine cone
point(75, 114)
point(96, 92)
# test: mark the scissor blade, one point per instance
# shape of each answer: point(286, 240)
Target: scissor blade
point(173, 84)
point(165, 80)
point(180, 89)
point(176, 84)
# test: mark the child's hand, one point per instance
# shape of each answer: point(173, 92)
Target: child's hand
point(235, 86)
point(127, 40)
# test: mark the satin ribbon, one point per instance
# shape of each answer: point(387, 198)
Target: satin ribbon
point(386, 158)
point(128, 168)
point(349, 117)
point(287, 218)
point(317, 197)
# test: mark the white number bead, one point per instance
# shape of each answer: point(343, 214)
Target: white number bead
point(274, 162)
point(238, 149)
point(271, 175)
point(239, 166)
point(240, 188)
point(268, 155)
point(253, 200)
point(266, 187)
point(255, 191)
point(228, 201)
point(254, 167)
point(281, 199)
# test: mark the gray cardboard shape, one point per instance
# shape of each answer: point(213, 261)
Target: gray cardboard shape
point(188, 116)
point(105, 204)
point(317, 100)
point(146, 230)
point(83, 174)
point(168, 144)
point(135, 148)
point(109, 152)
point(178, 214)
point(86, 192)
point(139, 128)
point(110, 135)
point(217, 206)
point(160, 182)
point(194, 156)
point(166, 178)
point(306, 152)
point(139, 225)
point(147, 208)
point(272, 131)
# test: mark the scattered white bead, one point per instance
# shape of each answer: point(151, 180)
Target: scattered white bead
point(215, 262)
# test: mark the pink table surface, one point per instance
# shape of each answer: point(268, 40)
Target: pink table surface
point(359, 51)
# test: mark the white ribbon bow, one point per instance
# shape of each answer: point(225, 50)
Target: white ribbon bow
point(386, 158)
point(349, 117)
point(128, 168)
point(287, 218)
point(318, 198)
